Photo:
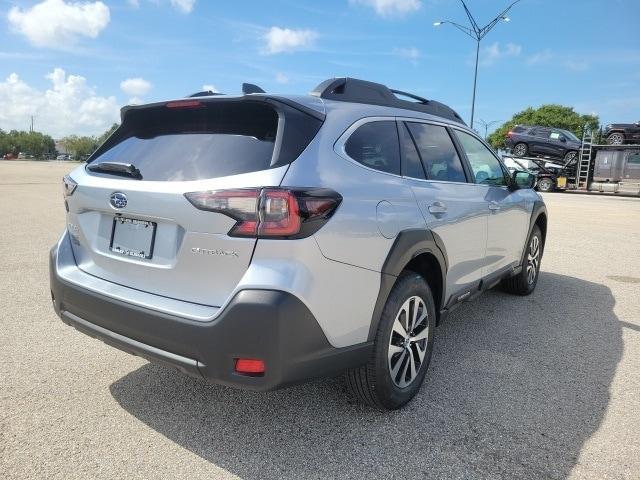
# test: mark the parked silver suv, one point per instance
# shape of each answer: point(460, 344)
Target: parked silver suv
point(261, 240)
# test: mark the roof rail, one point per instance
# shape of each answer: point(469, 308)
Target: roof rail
point(362, 91)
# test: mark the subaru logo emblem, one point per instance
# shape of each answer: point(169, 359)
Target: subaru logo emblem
point(118, 200)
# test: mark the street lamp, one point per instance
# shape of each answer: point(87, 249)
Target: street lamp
point(477, 33)
point(487, 125)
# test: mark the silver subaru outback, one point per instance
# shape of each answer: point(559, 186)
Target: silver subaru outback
point(262, 240)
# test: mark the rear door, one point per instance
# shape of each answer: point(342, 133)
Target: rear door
point(141, 231)
point(508, 217)
point(453, 209)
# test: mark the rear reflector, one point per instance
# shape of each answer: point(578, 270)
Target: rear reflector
point(270, 212)
point(249, 366)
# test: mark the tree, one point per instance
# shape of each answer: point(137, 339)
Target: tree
point(552, 115)
point(32, 143)
point(101, 139)
point(79, 147)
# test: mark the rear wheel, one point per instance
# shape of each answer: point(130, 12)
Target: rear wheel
point(545, 184)
point(402, 348)
point(520, 150)
point(525, 282)
point(570, 156)
point(615, 138)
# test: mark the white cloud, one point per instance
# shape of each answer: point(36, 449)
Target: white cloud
point(577, 65)
point(281, 78)
point(210, 88)
point(68, 106)
point(540, 57)
point(390, 8)
point(185, 6)
point(281, 40)
point(494, 52)
point(411, 53)
point(135, 86)
point(59, 24)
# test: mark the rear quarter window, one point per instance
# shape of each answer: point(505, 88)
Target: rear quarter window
point(375, 145)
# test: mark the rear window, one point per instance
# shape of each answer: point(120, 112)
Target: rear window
point(216, 139)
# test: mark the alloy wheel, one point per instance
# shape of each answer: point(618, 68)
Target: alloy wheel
point(520, 150)
point(533, 259)
point(408, 342)
point(615, 139)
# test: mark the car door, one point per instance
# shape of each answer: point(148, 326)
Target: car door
point(534, 141)
point(557, 144)
point(454, 209)
point(508, 218)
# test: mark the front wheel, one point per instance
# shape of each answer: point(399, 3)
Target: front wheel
point(402, 348)
point(525, 282)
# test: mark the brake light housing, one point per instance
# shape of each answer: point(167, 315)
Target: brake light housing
point(270, 212)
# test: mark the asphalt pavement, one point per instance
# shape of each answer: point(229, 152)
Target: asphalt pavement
point(545, 386)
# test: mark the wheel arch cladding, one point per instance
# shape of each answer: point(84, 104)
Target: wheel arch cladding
point(539, 219)
point(417, 250)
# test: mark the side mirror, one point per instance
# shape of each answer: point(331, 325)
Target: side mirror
point(521, 179)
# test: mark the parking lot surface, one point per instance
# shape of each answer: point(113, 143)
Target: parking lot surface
point(545, 386)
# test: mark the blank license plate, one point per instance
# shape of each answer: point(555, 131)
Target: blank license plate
point(132, 237)
point(562, 182)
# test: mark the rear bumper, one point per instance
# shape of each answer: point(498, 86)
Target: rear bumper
point(271, 325)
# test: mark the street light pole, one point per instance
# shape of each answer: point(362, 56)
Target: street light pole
point(477, 33)
point(487, 125)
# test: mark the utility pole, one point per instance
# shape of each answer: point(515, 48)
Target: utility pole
point(477, 33)
point(31, 124)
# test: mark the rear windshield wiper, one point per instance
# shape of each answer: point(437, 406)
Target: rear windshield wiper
point(116, 168)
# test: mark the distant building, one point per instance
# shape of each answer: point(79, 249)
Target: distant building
point(60, 148)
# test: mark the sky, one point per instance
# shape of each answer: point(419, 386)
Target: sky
point(73, 64)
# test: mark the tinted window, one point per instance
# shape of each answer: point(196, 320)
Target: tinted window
point(485, 166)
point(518, 129)
point(634, 159)
point(411, 164)
point(375, 145)
point(175, 144)
point(438, 154)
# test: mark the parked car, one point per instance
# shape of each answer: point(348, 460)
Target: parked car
point(526, 140)
point(293, 237)
point(549, 176)
point(63, 157)
point(621, 133)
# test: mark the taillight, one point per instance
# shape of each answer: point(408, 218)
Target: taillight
point(270, 212)
point(509, 133)
point(68, 186)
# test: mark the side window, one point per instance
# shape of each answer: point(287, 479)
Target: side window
point(375, 145)
point(485, 166)
point(634, 159)
point(555, 135)
point(438, 154)
point(411, 163)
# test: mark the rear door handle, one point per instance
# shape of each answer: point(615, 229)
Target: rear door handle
point(437, 208)
point(494, 206)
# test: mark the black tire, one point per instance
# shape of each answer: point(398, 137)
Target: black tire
point(372, 383)
point(522, 284)
point(615, 138)
point(570, 155)
point(545, 184)
point(520, 149)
